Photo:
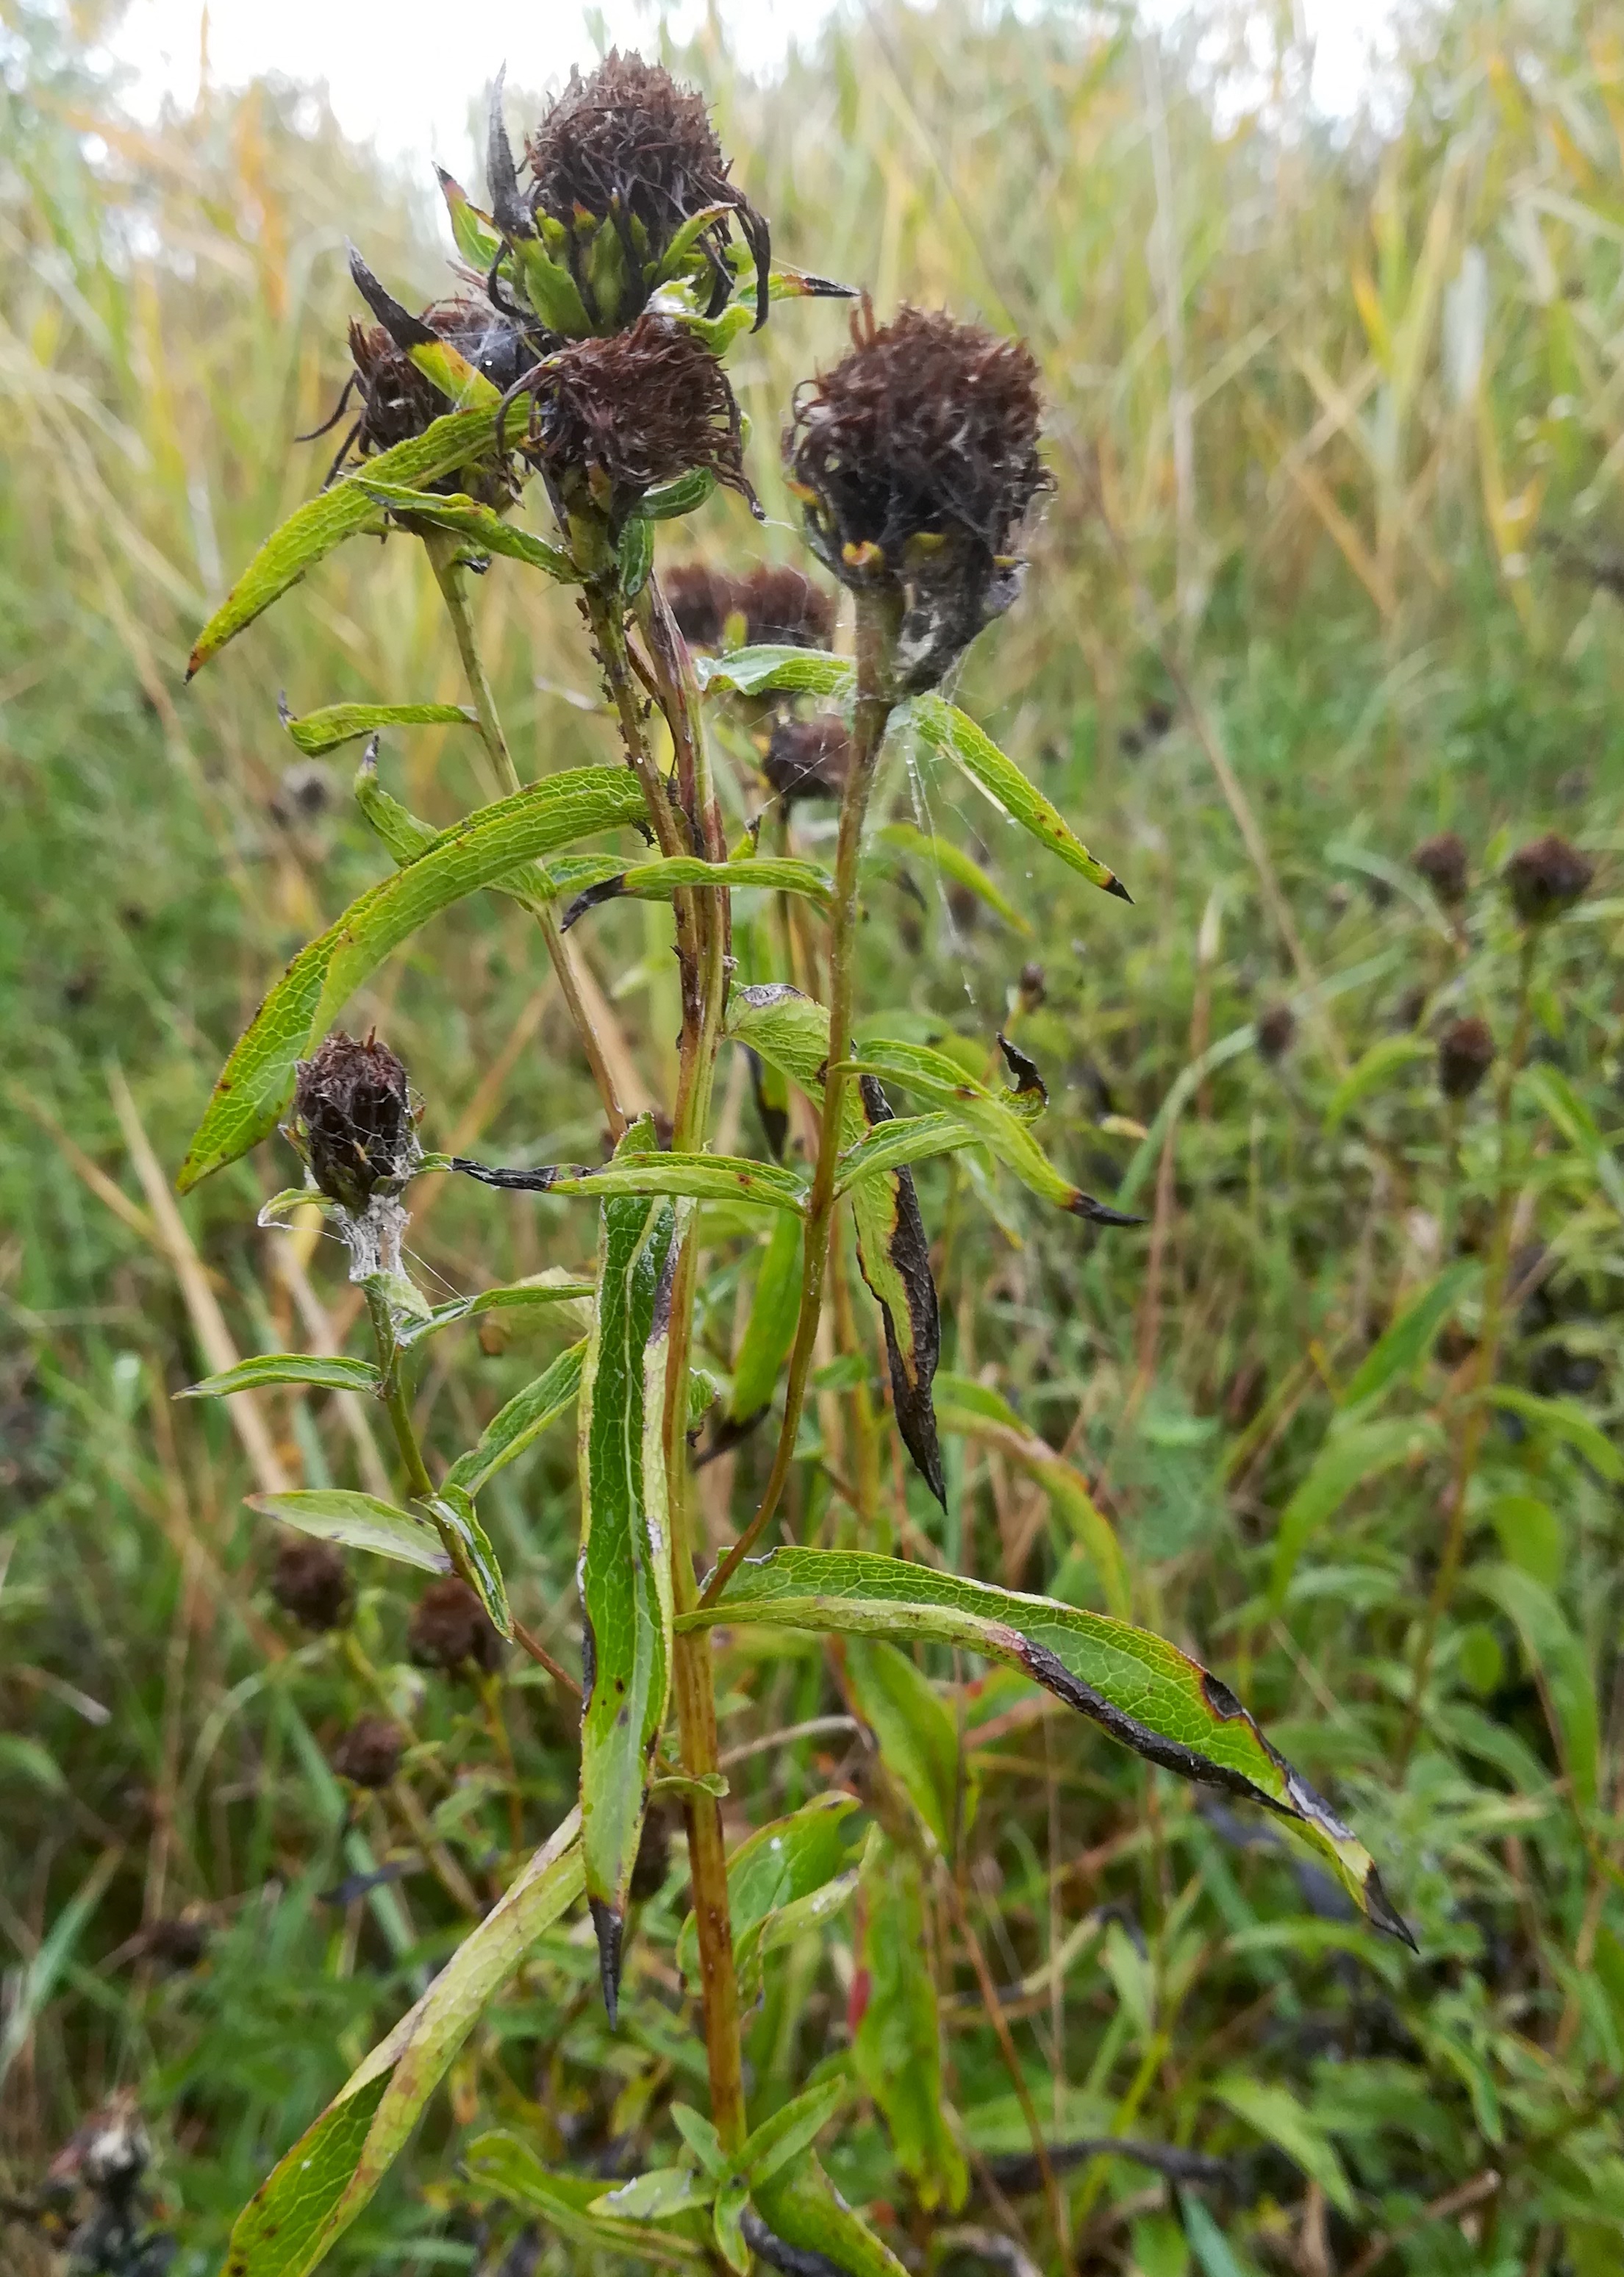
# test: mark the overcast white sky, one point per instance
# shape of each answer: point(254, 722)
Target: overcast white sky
point(370, 52)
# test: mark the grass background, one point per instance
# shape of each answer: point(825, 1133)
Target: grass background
point(1337, 426)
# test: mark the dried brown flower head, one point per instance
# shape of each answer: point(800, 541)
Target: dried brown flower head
point(776, 602)
point(398, 402)
point(808, 758)
point(1546, 877)
point(1465, 1053)
point(368, 1755)
point(1032, 986)
point(628, 145)
point(916, 461)
point(781, 603)
point(352, 1117)
point(449, 1629)
point(311, 1582)
point(1276, 1030)
point(638, 408)
point(1442, 862)
point(701, 600)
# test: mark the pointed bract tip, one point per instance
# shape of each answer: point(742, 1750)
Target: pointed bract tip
point(1121, 892)
point(194, 664)
point(285, 711)
point(609, 1927)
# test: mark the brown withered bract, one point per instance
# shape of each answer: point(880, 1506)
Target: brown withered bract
point(808, 758)
point(1442, 862)
point(1275, 1029)
point(449, 1629)
point(369, 1754)
point(636, 408)
point(915, 462)
point(311, 1582)
point(630, 144)
point(1546, 877)
point(1465, 1053)
point(352, 1117)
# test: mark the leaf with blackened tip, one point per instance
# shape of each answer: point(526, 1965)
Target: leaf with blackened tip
point(1139, 1689)
point(507, 207)
point(405, 329)
point(611, 889)
point(1085, 1205)
point(1029, 1084)
point(1114, 885)
point(609, 1927)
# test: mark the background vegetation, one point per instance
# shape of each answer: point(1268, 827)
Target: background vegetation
point(1337, 429)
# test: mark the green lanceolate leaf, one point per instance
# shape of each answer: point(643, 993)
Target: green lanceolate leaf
point(324, 2180)
point(897, 2049)
point(727, 2223)
point(319, 732)
point(452, 1510)
point(1556, 1658)
point(793, 2127)
point(772, 670)
point(474, 233)
point(328, 1374)
point(1371, 1073)
point(571, 2205)
point(657, 2195)
point(801, 2206)
point(790, 1032)
point(625, 1574)
point(548, 1289)
point(1407, 1341)
point(657, 881)
point(644, 1170)
point(465, 517)
point(779, 1866)
point(323, 522)
point(915, 1732)
point(518, 1425)
point(258, 1080)
point(996, 1122)
point(945, 728)
point(770, 1330)
point(357, 1521)
point(405, 835)
point(952, 862)
point(1141, 1689)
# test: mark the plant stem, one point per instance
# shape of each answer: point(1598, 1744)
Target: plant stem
point(876, 640)
point(448, 575)
point(1475, 1421)
point(702, 931)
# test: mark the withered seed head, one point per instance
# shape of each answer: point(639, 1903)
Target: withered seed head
point(1442, 862)
point(1546, 877)
point(449, 1629)
point(1465, 1053)
point(353, 1113)
point(636, 409)
point(311, 1582)
point(1032, 988)
point(701, 600)
point(776, 602)
point(1276, 1030)
point(369, 1754)
point(916, 461)
point(398, 402)
point(628, 143)
point(808, 758)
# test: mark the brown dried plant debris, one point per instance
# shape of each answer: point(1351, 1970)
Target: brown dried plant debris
point(915, 462)
point(312, 1584)
point(808, 758)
